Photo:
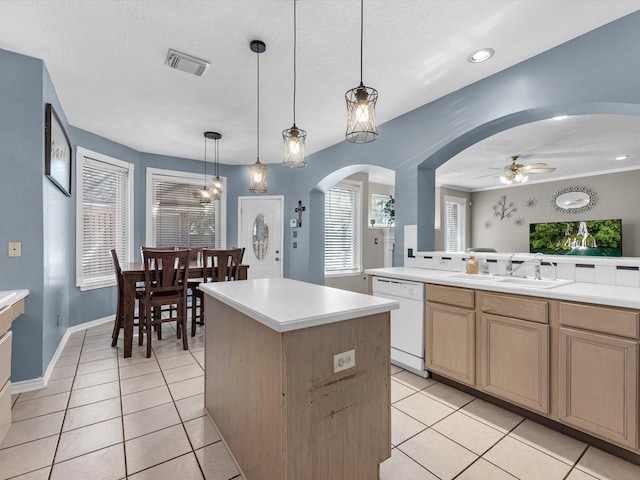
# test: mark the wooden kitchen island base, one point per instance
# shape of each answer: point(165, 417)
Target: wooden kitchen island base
point(280, 407)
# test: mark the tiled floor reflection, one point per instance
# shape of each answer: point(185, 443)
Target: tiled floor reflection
point(103, 417)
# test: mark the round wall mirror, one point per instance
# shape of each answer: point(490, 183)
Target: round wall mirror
point(260, 237)
point(573, 199)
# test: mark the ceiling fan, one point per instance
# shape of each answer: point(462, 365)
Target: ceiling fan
point(519, 173)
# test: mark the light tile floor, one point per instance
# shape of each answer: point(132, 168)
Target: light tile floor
point(108, 418)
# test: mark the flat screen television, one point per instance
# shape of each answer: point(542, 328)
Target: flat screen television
point(587, 237)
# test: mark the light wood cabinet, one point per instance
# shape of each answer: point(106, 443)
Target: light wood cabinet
point(575, 363)
point(598, 391)
point(514, 363)
point(450, 335)
point(7, 315)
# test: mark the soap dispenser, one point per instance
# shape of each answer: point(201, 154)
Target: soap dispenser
point(472, 265)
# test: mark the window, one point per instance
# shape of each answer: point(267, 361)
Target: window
point(379, 216)
point(175, 215)
point(104, 211)
point(342, 229)
point(454, 217)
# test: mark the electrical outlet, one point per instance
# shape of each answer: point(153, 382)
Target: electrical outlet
point(344, 360)
point(15, 249)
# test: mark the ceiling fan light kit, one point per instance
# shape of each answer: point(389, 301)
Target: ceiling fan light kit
point(519, 173)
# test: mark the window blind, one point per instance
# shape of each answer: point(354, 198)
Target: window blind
point(178, 217)
point(452, 237)
point(454, 224)
point(105, 220)
point(342, 229)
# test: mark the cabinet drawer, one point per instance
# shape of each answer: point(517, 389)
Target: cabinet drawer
point(5, 358)
point(5, 410)
point(623, 323)
point(524, 308)
point(459, 297)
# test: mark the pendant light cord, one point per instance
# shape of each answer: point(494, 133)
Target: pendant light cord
point(216, 158)
point(361, 35)
point(294, 61)
point(205, 161)
point(258, 110)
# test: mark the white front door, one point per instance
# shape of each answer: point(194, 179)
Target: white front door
point(260, 233)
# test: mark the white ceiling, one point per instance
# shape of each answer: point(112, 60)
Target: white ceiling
point(106, 59)
point(576, 146)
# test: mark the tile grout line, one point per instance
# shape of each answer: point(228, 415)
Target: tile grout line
point(64, 417)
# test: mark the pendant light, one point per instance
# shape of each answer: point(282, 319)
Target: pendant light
point(258, 171)
point(216, 188)
point(205, 192)
point(294, 137)
point(361, 104)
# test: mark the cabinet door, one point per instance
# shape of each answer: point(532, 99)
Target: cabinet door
point(599, 385)
point(514, 356)
point(450, 340)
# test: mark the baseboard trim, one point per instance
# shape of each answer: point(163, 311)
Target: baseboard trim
point(42, 382)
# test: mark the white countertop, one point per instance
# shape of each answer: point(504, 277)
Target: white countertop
point(284, 304)
point(579, 292)
point(9, 297)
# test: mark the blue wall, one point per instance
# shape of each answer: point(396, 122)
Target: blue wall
point(595, 73)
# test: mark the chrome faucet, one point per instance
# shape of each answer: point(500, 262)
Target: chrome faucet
point(538, 259)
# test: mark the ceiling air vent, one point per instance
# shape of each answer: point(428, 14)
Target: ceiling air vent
point(186, 63)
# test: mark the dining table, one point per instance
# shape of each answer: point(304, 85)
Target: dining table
point(133, 272)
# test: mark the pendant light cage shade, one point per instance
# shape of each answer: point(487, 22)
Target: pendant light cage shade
point(258, 171)
point(361, 103)
point(205, 195)
point(214, 192)
point(294, 147)
point(361, 114)
point(294, 137)
point(258, 178)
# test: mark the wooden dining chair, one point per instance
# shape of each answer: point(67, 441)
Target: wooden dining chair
point(165, 277)
point(119, 323)
point(218, 266)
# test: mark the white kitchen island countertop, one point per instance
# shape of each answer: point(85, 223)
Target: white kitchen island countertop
point(613, 295)
point(284, 304)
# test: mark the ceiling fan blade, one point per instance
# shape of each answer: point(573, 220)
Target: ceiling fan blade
point(536, 165)
point(542, 170)
point(490, 175)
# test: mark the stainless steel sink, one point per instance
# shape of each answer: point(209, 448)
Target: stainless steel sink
point(533, 282)
point(521, 281)
point(474, 277)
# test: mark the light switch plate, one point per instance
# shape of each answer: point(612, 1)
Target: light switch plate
point(15, 249)
point(293, 223)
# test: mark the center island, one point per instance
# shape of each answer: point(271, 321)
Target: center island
point(297, 378)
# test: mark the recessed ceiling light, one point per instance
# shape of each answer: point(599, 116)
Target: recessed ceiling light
point(481, 55)
point(622, 157)
point(560, 117)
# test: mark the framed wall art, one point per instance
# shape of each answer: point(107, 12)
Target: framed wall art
point(57, 151)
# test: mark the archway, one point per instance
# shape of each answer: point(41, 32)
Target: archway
point(427, 169)
point(317, 205)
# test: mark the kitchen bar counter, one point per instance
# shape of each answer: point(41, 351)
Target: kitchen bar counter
point(613, 295)
point(273, 383)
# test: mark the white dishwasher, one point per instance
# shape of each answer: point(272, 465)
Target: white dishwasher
point(407, 322)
